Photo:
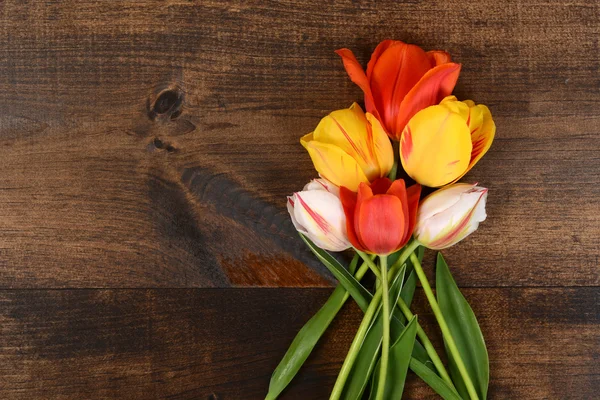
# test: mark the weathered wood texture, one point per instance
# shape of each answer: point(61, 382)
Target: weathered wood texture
point(104, 186)
point(146, 149)
point(224, 343)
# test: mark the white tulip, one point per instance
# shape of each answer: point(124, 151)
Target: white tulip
point(450, 214)
point(317, 213)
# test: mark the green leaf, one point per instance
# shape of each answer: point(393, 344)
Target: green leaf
point(307, 338)
point(367, 356)
point(356, 290)
point(400, 356)
point(410, 283)
point(465, 330)
point(304, 342)
point(408, 290)
point(433, 380)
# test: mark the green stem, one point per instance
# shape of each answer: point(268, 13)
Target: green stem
point(355, 346)
point(406, 252)
point(444, 327)
point(385, 343)
point(362, 270)
point(394, 170)
point(427, 345)
point(369, 262)
point(369, 313)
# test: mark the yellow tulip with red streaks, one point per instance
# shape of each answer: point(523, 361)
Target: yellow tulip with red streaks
point(349, 147)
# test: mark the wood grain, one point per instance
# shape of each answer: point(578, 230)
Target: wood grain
point(146, 149)
point(152, 144)
point(224, 343)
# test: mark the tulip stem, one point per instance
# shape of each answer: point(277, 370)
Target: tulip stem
point(406, 252)
point(355, 346)
point(444, 328)
point(439, 365)
point(385, 343)
point(369, 262)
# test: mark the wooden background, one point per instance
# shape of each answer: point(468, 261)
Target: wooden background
point(146, 149)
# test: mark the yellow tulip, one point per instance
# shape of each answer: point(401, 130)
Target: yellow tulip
point(442, 143)
point(349, 147)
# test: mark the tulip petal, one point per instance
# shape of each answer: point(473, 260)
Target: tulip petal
point(357, 75)
point(450, 214)
point(470, 211)
point(321, 214)
point(435, 146)
point(438, 57)
point(442, 199)
point(461, 108)
point(398, 189)
point(348, 198)
point(334, 164)
point(482, 134)
point(322, 184)
point(379, 50)
point(399, 68)
point(290, 208)
point(384, 152)
point(381, 223)
point(349, 130)
point(381, 185)
point(436, 84)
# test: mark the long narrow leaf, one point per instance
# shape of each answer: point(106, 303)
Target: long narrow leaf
point(400, 356)
point(433, 380)
point(304, 342)
point(356, 290)
point(465, 330)
point(307, 338)
point(408, 290)
point(367, 357)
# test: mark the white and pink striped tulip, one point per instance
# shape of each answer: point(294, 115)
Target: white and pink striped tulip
point(317, 213)
point(450, 214)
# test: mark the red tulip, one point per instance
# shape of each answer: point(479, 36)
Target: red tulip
point(401, 80)
point(381, 217)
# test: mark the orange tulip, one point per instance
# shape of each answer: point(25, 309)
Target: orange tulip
point(381, 217)
point(401, 80)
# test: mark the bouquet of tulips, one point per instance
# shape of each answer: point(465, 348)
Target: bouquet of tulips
point(358, 203)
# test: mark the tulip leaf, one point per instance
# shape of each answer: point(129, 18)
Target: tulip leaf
point(400, 356)
point(408, 290)
point(304, 342)
point(465, 330)
point(369, 351)
point(307, 338)
point(433, 380)
point(356, 290)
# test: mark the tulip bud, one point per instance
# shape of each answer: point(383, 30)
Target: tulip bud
point(443, 142)
point(349, 147)
point(381, 216)
point(317, 213)
point(449, 215)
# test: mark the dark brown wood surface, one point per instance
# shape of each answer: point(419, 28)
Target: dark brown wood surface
point(146, 149)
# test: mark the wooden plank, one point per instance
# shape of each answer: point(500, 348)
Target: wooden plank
point(151, 144)
point(224, 343)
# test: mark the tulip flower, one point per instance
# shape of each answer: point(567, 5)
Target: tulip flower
point(442, 143)
point(450, 214)
point(349, 147)
point(317, 213)
point(380, 218)
point(401, 80)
